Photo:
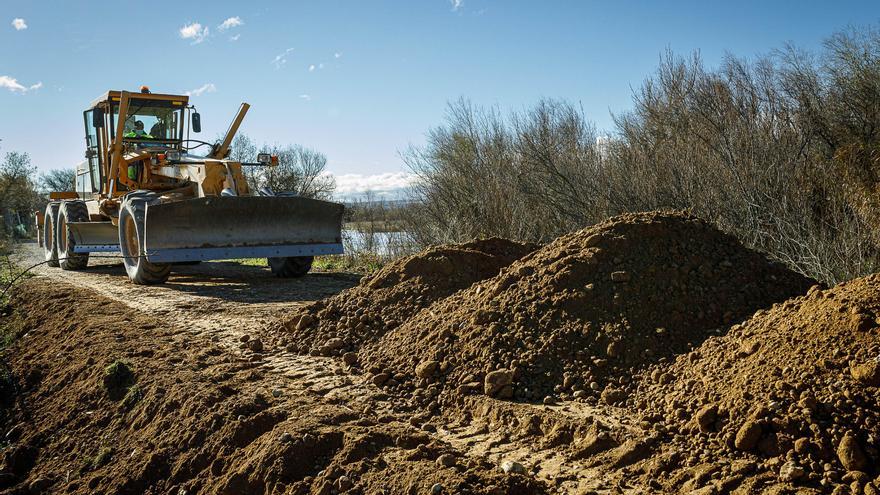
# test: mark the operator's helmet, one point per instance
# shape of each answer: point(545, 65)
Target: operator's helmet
point(139, 125)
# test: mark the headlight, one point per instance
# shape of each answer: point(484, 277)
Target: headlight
point(264, 158)
point(172, 156)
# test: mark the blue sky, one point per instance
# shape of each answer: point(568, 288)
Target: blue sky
point(360, 80)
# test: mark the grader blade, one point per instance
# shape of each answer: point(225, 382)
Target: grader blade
point(241, 227)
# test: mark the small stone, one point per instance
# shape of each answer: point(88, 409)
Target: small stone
point(868, 373)
point(276, 393)
point(436, 489)
point(255, 345)
point(620, 276)
point(705, 417)
point(343, 483)
point(333, 344)
point(244, 338)
point(380, 378)
point(427, 369)
point(305, 321)
point(790, 472)
point(446, 460)
point(349, 358)
point(615, 349)
point(512, 467)
point(748, 436)
point(612, 396)
point(851, 455)
point(286, 437)
point(549, 400)
point(496, 380)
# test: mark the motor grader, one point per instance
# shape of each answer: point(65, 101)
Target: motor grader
point(149, 191)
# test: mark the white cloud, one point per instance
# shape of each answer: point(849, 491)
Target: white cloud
point(337, 55)
point(205, 88)
point(312, 68)
point(234, 38)
point(456, 4)
point(13, 85)
point(389, 185)
point(19, 24)
point(320, 66)
point(281, 58)
point(194, 31)
point(306, 97)
point(230, 23)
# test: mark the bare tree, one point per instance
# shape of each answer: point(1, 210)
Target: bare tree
point(300, 170)
point(58, 180)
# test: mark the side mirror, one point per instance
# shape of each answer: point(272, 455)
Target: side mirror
point(196, 122)
point(97, 117)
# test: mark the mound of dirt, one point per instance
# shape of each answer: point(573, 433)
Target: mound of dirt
point(109, 400)
point(791, 393)
point(395, 294)
point(574, 318)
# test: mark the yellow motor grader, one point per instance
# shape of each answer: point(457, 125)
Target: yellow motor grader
point(145, 190)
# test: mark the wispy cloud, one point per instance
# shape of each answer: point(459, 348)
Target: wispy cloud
point(312, 68)
point(456, 4)
point(13, 85)
point(205, 88)
point(230, 23)
point(19, 24)
point(234, 38)
point(281, 58)
point(195, 32)
point(337, 55)
point(306, 97)
point(390, 185)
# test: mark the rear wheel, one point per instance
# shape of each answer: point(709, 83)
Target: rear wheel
point(296, 266)
point(132, 214)
point(70, 211)
point(50, 220)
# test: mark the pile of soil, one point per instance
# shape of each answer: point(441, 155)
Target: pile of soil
point(574, 318)
point(789, 397)
point(109, 400)
point(395, 294)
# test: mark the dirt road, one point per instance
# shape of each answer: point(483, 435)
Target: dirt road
point(227, 299)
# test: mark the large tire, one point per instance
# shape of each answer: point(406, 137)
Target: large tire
point(50, 220)
point(70, 211)
point(131, 241)
point(296, 266)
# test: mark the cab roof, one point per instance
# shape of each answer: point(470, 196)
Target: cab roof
point(114, 95)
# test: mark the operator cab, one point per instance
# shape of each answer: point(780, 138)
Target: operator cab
point(156, 123)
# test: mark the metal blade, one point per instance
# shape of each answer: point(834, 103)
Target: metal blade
point(229, 227)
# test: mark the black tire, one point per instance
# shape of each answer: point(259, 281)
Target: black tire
point(50, 220)
point(296, 266)
point(132, 213)
point(187, 263)
point(70, 211)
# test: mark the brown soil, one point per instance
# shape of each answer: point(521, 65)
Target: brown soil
point(193, 417)
point(791, 394)
point(578, 315)
point(673, 360)
point(395, 294)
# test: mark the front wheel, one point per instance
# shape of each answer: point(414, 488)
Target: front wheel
point(296, 266)
point(50, 222)
point(70, 211)
point(131, 242)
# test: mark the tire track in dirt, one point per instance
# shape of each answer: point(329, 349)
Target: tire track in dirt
point(226, 301)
